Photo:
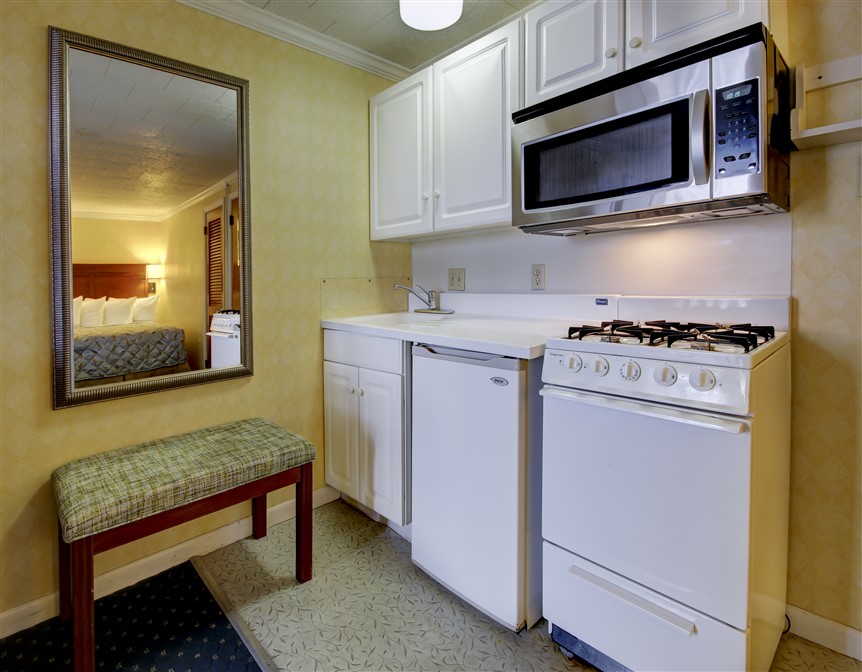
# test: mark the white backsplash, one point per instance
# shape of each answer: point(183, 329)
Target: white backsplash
point(748, 256)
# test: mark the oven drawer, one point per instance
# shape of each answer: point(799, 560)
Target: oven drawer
point(631, 624)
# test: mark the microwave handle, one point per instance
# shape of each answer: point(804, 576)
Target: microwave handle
point(700, 128)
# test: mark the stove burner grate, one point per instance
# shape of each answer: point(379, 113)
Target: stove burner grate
point(694, 335)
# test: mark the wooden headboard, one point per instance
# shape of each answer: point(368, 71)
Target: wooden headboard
point(93, 281)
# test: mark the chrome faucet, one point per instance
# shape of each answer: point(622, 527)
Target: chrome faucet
point(431, 299)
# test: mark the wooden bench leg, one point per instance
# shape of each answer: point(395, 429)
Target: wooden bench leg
point(303, 523)
point(83, 618)
point(258, 517)
point(65, 579)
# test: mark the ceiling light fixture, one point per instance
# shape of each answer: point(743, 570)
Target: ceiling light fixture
point(430, 14)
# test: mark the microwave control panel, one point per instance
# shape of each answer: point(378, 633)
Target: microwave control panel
point(736, 129)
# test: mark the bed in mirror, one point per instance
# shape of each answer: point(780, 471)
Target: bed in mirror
point(150, 222)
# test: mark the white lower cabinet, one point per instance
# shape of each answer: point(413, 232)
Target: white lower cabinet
point(364, 421)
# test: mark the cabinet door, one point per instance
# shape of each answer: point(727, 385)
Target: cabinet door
point(570, 44)
point(400, 159)
point(476, 90)
point(655, 28)
point(341, 418)
point(381, 443)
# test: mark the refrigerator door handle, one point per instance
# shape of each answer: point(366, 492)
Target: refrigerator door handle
point(469, 357)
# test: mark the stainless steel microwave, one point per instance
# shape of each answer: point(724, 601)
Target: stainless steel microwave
point(698, 135)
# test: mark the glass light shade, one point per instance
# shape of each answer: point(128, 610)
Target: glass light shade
point(155, 271)
point(430, 14)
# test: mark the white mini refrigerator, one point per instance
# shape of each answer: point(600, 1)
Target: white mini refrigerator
point(476, 479)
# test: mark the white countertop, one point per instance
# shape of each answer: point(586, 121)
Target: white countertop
point(521, 337)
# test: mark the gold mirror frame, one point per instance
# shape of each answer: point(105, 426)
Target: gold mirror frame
point(65, 394)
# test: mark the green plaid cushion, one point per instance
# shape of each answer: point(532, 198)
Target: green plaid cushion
point(104, 491)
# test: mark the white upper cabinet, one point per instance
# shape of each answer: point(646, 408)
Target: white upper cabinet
point(400, 156)
point(440, 142)
point(575, 42)
point(656, 28)
point(569, 44)
point(476, 90)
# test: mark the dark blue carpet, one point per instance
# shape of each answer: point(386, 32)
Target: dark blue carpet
point(169, 623)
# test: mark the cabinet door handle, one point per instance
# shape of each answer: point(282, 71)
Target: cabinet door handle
point(610, 52)
point(436, 194)
point(424, 195)
point(635, 42)
point(352, 390)
point(361, 392)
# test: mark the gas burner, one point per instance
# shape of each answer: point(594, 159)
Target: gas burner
point(733, 338)
point(713, 337)
point(615, 331)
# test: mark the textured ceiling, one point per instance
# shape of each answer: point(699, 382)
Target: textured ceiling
point(375, 26)
point(142, 140)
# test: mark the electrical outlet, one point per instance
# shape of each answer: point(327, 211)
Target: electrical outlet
point(537, 276)
point(456, 279)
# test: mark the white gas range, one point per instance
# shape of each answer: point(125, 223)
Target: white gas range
point(665, 485)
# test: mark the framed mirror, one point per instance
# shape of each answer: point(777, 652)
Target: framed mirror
point(150, 222)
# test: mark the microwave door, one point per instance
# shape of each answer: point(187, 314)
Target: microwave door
point(642, 147)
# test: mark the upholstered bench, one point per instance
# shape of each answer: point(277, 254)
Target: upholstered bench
point(107, 500)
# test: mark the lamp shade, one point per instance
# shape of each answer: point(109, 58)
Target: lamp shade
point(430, 14)
point(155, 271)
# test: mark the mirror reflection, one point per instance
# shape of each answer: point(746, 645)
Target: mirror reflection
point(151, 236)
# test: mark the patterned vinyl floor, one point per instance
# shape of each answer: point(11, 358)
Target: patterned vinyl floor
point(369, 608)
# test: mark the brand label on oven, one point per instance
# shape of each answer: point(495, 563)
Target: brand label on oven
point(601, 302)
point(499, 381)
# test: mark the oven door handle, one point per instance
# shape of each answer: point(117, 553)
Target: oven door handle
point(666, 616)
point(685, 417)
point(699, 134)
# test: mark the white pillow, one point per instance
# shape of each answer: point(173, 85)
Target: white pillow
point(77, 302)
point(145, 309)
point(119, 311)
point(92, 311)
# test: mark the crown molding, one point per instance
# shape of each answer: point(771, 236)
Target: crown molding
point(285, 30)
point(217, 188)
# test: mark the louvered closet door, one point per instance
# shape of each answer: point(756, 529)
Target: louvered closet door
point(215, 265)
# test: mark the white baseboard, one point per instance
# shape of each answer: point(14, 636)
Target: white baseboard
point(31, 613)
point(830, 634)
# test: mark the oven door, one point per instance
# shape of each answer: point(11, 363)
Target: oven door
point(659, 495)
point(645, 146)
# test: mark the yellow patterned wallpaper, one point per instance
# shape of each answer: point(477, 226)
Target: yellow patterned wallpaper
point(309, 189)
point(825, 564)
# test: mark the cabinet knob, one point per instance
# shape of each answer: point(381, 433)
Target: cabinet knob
point(424, 195)
point(352, 390)
point(436, 194)
point(635, 42)
point(361, 392)
point(610, 52)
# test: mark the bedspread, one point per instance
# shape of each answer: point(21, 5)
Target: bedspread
point(117, 350)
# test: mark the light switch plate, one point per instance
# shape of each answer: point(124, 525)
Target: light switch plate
point(456, 279)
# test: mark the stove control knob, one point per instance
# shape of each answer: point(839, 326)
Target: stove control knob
point(574, 363)
point(665, 375)
point(630, 371)
point(702, 380)
point(601, 366)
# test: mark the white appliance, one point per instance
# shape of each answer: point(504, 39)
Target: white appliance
point(698, 135)
point(476, 477)
point(224, 339)
point(665, 488)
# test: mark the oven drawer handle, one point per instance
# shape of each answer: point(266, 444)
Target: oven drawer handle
point(666, 616)
point(683, 417)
